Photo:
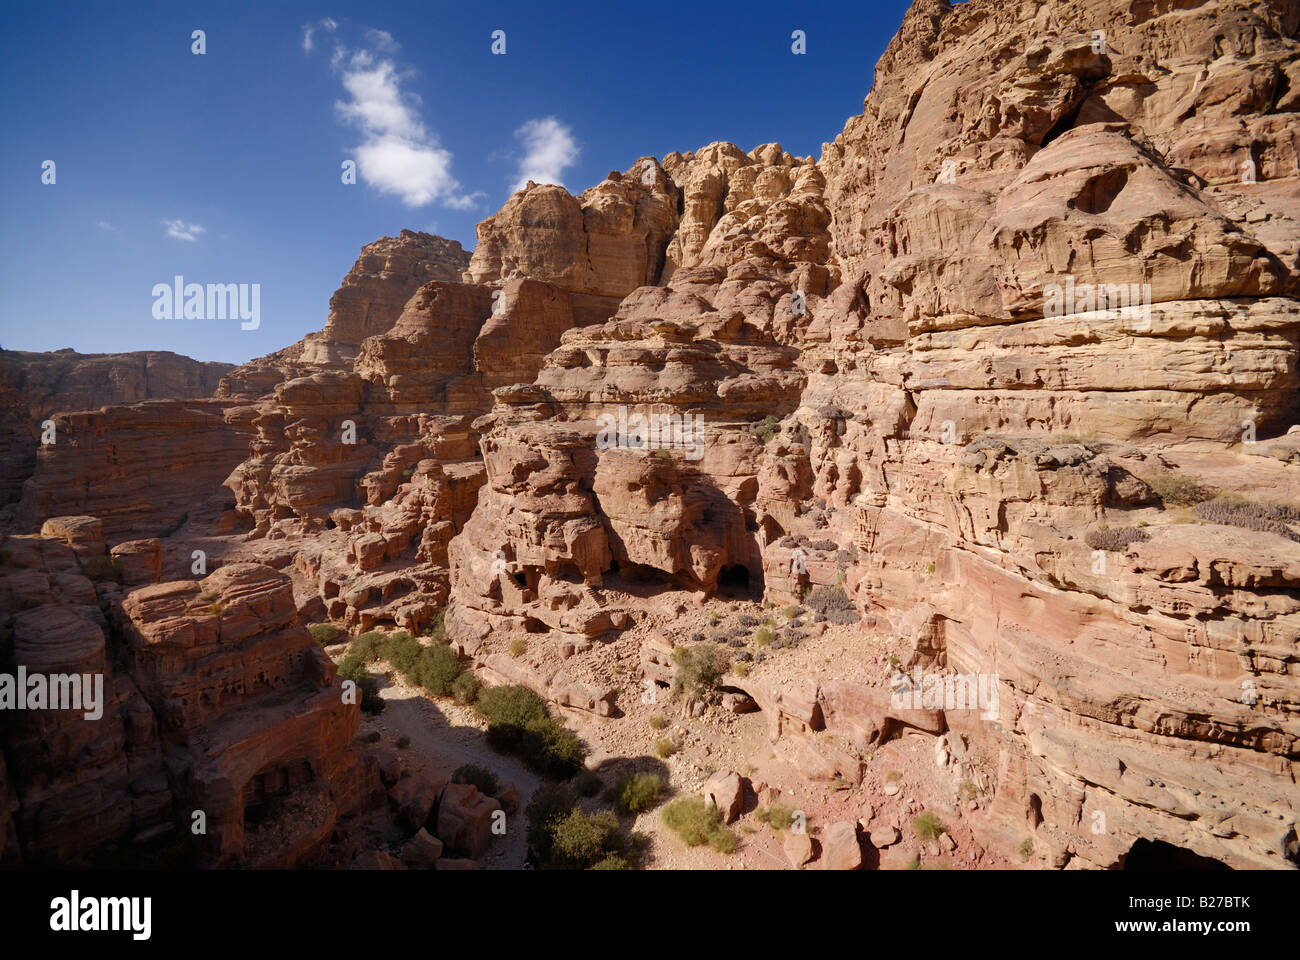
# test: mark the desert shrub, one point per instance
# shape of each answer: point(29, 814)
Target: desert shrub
point(518, 646)
point(664, 748)
point(403, 742)
point(926, 826)
point(352, 668)
point(778, 816)
point(699, 668)
point(697, 822)
point(436, 629)
point(1115, 539)
point(482, 778)
point(657, 722)
point(519, 723)
point(1251, 515)
point(831, 603)
point(366, 646)
point(1026, 849)
point(324, 633)
point(551, 802)
point(562, 835)
point(764, 637)
point(371, 737)
point(436, 669)
point(1177, 489)
point(748, 620)
point(637, 793)
point(401, 650)
point(580, 840)
point(465, 688)
point(766, 430)
point(587, 783)
point(103, 567)
point(741, 670)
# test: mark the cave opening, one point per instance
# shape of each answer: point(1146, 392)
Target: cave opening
point(735, 577)
point(1158, 855)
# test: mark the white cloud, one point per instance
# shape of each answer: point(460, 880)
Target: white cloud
point(398, 154)
point(382, 41)
point(180, 230)
point(105, 225)
point(549, 147)
point(309, 30)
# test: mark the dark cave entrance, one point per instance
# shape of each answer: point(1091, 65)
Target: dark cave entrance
point(735, 581)
point(1157, 855)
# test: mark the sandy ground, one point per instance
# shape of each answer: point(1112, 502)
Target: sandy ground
point(443, 736)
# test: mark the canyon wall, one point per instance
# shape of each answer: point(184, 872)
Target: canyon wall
point(1005, 378)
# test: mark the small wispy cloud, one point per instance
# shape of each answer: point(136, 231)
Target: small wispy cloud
point(549, 147)
point(105, 225)
point(309, 31)
point(398, 154)
point(180, 230)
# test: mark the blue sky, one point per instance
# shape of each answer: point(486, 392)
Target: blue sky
point(225, 167)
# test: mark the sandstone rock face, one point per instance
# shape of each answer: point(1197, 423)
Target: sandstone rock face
point(1005, 308)
point(144, 469)
point(958, 383)
point(35, 385)
point(216, 701)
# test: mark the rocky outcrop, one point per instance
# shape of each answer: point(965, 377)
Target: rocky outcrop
point(959, 382)
point(143, 469)
point(1046, 279)
point(221, 735)
point(33, 386)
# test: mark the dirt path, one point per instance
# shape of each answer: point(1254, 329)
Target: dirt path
point(445, 736)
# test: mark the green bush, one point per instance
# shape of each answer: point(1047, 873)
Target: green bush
point(436, 669)
point(926, 826)
point(465, 688)
point(664, 748)
point(324, 633)
point(637, 793)
point(366, 646)
point(518, 646)
point(580, 840)
point(352, 668)
point(699, 668)
point(766, 430)
point(587, 783)
point(1180, 489)
point(519, 723)
point(764, 637)
point(778, 816)
point(550, 804)
point(697, 822)
point(437, 630)
point(482, 778)
point(612, 862)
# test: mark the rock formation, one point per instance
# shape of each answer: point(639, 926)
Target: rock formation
point(35, 385)
point(1005, 378)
